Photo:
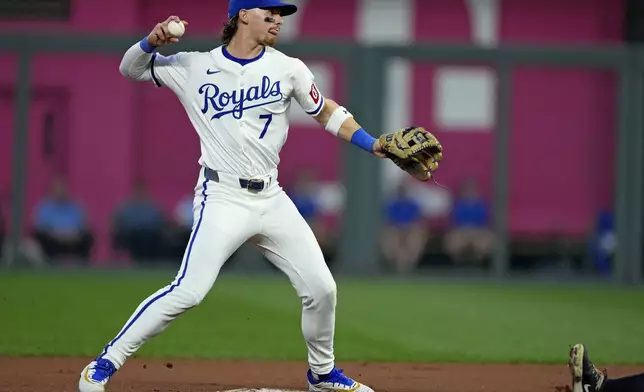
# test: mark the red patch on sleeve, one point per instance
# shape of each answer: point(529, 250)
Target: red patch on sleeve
point(314, 93)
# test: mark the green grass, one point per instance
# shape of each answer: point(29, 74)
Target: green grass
point(378, 320)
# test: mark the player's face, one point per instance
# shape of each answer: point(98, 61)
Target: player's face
point(264, 31)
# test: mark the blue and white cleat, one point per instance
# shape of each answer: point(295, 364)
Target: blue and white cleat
point(95, 375)
point(334, 382)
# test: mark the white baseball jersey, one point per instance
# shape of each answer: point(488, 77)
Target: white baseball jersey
point(238, 107)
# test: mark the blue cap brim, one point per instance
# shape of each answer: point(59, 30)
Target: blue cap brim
point(285, 8)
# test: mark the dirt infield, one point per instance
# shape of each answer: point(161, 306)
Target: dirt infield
point(142, 375)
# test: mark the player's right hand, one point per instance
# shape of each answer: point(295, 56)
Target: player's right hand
point(160, 36)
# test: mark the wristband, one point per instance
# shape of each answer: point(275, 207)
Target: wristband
point(145, 46)
point(363, 140)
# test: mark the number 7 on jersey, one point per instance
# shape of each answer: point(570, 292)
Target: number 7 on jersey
point(268, 118)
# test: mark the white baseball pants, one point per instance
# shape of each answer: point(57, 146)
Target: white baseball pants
point(226, 216)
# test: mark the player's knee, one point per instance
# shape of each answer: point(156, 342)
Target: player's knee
point(188, 298)
point(324, 294)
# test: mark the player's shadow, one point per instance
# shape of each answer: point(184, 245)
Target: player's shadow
point(247, 259)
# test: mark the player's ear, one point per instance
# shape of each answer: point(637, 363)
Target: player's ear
point(243, 16)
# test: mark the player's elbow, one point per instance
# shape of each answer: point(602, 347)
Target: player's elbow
point(329, 106)
point(325, 112)
point(131, 71)
point(124, 70)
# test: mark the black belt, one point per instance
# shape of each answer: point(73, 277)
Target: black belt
point(252, 185)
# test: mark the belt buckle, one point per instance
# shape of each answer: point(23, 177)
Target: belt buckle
point(253, 181)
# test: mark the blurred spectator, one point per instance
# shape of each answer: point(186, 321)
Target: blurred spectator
point(603, 242)
point(184, 213)
point(179, 231)
point(304, 196)
point(406, 232)
point(470, 237)
point(138, 226)
point(60, 225)
point(28, 249)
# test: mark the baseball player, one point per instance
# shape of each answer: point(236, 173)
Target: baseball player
point(587, 378)
point(237, 97)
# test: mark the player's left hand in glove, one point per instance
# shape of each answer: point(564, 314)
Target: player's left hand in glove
point(414, 150)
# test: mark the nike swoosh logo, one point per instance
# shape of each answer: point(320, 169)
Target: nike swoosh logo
point(587, 387)
point(209, 72)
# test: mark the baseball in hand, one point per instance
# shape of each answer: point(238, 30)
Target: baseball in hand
point(176, 28)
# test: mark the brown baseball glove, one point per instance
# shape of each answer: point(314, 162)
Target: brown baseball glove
point(414, 150)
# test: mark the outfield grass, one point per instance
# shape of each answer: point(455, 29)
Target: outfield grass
point(379, 320)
